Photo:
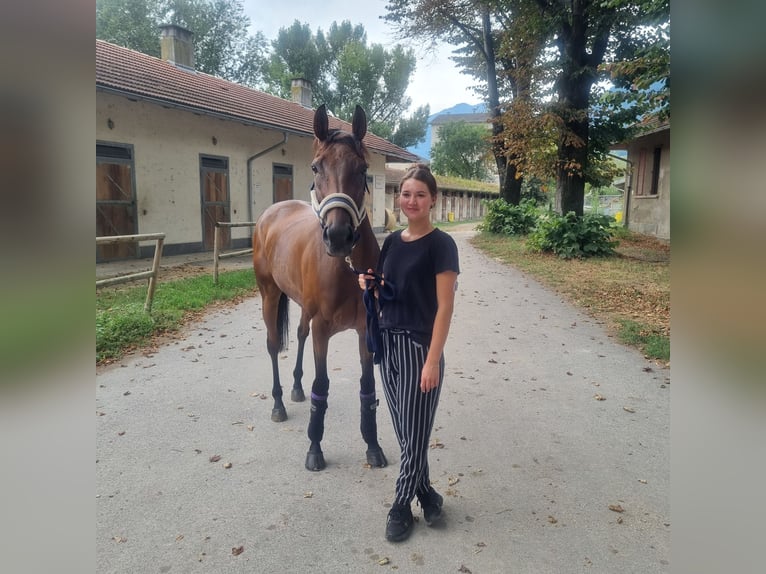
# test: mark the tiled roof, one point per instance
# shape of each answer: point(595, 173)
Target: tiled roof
point(135, 75)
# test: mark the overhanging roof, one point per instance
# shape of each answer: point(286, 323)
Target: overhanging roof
point(138, 76)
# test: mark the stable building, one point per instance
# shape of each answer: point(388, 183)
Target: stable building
point(178, 150)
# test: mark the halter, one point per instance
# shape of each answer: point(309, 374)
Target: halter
point(340, 200)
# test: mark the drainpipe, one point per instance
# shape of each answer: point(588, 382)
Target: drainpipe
point(628, 189)
point(250, 173)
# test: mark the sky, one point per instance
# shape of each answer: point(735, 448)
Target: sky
point(436, 80)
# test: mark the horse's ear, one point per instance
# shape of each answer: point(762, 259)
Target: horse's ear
point(359, 123)
point(321, 123)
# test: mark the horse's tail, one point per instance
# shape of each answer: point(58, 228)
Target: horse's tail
point(283, 321)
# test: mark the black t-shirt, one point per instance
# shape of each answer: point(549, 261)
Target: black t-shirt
point(412, 266)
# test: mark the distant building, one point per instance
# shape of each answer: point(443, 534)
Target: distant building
point(647, 193)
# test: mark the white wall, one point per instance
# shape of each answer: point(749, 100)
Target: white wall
point(167, 144)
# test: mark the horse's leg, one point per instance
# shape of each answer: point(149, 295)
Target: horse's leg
point(275, 306)
point(297, 394)
point(369, 404)
point(319, 391)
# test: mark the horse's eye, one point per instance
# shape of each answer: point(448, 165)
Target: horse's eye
point(314, 168)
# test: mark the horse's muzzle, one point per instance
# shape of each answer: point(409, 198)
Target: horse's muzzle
point(339, 239)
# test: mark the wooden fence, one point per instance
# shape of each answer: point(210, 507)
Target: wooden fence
point(217, 254)
point(151, 274)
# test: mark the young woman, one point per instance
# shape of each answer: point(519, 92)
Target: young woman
point(421, 265)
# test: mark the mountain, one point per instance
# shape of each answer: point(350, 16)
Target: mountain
point(423, 149)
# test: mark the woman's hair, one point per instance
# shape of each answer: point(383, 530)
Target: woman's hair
point(421, 172)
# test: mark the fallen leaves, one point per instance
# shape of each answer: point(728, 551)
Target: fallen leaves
point(629, 409)
point(237, 550)
point(215, 458)
point(599, 397)
point(383, 561)
point(616, 508)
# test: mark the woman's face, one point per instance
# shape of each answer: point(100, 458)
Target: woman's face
point(415, 199)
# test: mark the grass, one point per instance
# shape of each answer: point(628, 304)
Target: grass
point(122, 324)
point(629, 293)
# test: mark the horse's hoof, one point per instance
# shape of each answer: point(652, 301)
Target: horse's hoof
point(315, 461)
point(375, 457)
point(278, 415)
point(297, 396)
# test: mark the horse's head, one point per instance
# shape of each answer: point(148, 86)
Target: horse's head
point(340, 181)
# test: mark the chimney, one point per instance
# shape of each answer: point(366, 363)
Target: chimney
point(300, 91)
point(176, 45)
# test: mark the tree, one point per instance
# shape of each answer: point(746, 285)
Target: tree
point(345, 71)
point(462, 150)
point(222, 45)
point(130, 23)
point(477, 28)
point(586, 34)
point(522, 46)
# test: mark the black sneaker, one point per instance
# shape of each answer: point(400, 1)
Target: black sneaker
point(399, 522)
point(431, 503)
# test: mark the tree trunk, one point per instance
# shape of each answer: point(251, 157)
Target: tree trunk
point(510, 187)
point(573, 159)
point(578, 75)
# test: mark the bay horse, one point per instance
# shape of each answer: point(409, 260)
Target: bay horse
point(308, 253)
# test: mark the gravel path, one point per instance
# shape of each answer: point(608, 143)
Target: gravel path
point(551, 447)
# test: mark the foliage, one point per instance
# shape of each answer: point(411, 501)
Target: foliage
point(122, 324)
point(570, 235)
point(652, 342)
point(130, 23)
point(222, 44)
point(543, 67)
point(345, 71)
point(476, 28)
point(640, 67)
point(537, 190)
point(508, 219)
point(462, 150)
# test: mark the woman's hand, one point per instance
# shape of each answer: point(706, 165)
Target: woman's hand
point(367, 280)
point(364, 278)
point(429, 377)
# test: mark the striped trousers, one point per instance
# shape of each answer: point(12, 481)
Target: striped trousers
point(412, 411)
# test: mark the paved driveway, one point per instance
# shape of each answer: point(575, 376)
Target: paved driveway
point(551, 447)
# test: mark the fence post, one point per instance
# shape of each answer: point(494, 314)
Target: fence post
point(216, 248)
point(153, 279)
point(152, 275)
point(217, 255)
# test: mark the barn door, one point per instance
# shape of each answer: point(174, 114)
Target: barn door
point(115, 200)
point(214, 182)
point(283, 182)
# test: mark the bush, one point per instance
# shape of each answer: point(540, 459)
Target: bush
point(507, 219)
point(570, 236)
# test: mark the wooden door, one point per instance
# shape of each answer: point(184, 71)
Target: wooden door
point(214, 182)
point(115, 200)
point(283, 182)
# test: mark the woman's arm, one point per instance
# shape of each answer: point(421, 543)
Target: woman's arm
point(445, 297)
